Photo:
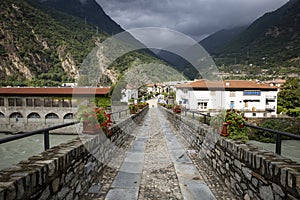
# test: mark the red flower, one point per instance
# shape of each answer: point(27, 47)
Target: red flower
point(97, 126)
point(241, 126)
point(229, 122)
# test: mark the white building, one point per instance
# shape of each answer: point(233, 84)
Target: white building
point(129, 93)
point(253, 98)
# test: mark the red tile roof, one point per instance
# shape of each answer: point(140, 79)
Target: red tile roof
point(226, 84)
point(54, 91)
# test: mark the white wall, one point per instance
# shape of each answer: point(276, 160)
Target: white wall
point(222, 100)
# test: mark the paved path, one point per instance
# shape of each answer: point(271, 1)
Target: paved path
point(158, 166)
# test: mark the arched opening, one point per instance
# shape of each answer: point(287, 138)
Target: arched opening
point(16, 117)
point(2, 115)
point(69, 116)
point(51, 116)
point(33, 115)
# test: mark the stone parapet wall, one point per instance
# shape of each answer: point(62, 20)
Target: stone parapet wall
point(66, 171)
point(250, 172)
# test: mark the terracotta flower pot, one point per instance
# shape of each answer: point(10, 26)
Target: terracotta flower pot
point(224, 130)
point(90, 129)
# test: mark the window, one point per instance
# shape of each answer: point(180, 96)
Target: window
point(37, 102)
point(231, 104)
point(19, 102)
point(254, 114)
point(29, 102)
point(48, 102)
point(2, 115)
point(15, 102)
point(252, 93)
point(66, 103)
point(232, 94)
point(202, 105)
point(185, 91)
point(1, 101)
point(55, 102)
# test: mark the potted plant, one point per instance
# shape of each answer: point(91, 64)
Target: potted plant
point(133, 108)
point(235, 125)
point(177, 109)
point(95, 119)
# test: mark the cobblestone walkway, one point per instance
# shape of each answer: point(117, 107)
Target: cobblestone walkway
point(157, 165)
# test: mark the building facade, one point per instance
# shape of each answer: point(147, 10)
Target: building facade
point(254, 99)
point(28, 109)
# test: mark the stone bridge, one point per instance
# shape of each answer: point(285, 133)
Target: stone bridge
point(154, 154)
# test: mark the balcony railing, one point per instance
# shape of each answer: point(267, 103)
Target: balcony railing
point(268, 97)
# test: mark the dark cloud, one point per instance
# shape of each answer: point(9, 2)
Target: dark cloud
point(196, 18)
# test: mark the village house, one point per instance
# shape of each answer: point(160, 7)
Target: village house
point(253, 98)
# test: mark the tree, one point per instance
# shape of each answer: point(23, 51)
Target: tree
point(289, 96)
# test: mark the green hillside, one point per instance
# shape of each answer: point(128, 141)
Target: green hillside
point(40, 46)
point(272, 43)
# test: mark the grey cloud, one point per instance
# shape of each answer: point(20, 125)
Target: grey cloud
point(196, 18)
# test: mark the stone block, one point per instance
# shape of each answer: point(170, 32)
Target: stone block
point(247, 197)
point(260, 178)
point(283, 175)
point(247, 173)
point(254, 182)
point(278, 190)
point(45, 194)
point(266, 193)
point(292, 178)
point(237, 177)
point(63, 193)
point(55, 185)
point(237, 163)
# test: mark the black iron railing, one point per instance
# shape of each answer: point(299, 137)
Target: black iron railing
point(279, 135)
point(194, 114)
point(44, 131)
point(120, 114)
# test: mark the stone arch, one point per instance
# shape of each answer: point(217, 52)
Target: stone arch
point(51, 116)
point(69, 116)
point(16, 117)
point(33, 115)
point(2, 115)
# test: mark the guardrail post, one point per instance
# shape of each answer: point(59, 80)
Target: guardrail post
point(46, 140)
point(278, 144)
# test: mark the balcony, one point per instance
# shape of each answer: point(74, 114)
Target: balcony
point(272, 98)
point(270, 108)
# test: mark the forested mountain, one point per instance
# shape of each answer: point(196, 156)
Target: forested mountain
point(89, 11)
point(273, 40)
point(218, 40)
point(45, 47)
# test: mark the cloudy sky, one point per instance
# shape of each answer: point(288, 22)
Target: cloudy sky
point(196, 18)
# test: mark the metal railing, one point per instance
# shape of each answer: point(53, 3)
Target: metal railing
point(120, 114)
point(195, 113)
point(44, 131)
point(279, 135)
